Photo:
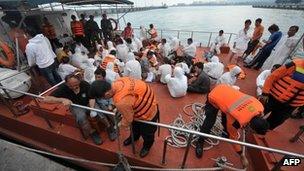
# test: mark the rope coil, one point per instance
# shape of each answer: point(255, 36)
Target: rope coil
point(179, 139)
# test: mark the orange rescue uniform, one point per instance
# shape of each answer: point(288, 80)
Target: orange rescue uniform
point(286, 84)
point(237, 106)
point(134, 99)
point(77, 28)
point(108, 59)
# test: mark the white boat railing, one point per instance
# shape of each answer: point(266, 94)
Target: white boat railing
point(274, 150)
point(202, 38)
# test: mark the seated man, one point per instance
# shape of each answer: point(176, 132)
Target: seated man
point(177, 84)
point(202, 82)
point(189, 51)
point(238, 111)
point(262, 78)
point(164, 70)
point(164, 48)
point(214, 69)
point(218, 42)
point(76, 91)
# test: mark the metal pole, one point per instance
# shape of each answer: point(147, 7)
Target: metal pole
point(17, 52)
point(187, 151)
point(191, 34)
point(20, 72)
point(209, 40)
point(229, 38)
point(179, 129)
point(161, 33)
point(178, 34)
point(164, 152)
point(55, 86)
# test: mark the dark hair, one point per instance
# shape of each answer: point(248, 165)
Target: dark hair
point(66, 47)
point(199, 65)
point(295, 27)
point(190, 39)
point(259, 20)
point(99, 88)
point(113, 52)
point(259, 125)
point(45, 19)
point(151, 25)
point(273, 28)
point(100, 71)
point(82, 15)
point(73, 17)
point(65, 60)
point(167, 61)
point(129, 40)
point(70, 76)
point(276, 66)
point(150, 53)
point(128, 24)
point(248, 21)
point(91, 17)
point(33, 32)
point(164, 40)
point(119, 40)
point(221, 31)
point(104, 15)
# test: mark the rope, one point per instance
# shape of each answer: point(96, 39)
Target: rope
point(107, 164)
point(178, 139)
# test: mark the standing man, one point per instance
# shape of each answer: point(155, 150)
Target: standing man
point(238, 111)
point(76, 91)
point(106, 27)
point(92, 31)
point(152, 32)
point(134, 99)
point(82, 19)
point(283, 92)
point(255, 40)
point(49, 32)
point(39, 51)
point(77, 30)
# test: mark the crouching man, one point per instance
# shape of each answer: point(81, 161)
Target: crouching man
point(76, 91)
point(238, 111)
point(134, 99)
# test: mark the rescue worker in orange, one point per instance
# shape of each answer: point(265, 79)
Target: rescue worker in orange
point(238, 111)
point(152, 32)
point(128, 31)
point(77, 30)
point(110, 58)
point(48, 31)
point(134, 99)
point(283, 92)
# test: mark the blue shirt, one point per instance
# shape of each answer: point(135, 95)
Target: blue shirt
point(274, 38)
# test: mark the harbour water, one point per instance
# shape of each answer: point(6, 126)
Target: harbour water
point(213, 18)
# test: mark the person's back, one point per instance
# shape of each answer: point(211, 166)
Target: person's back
point(40, 48)
point(163, 71)
point(132, 68)
point(122, 52)
point(214, 68)
point(178, 84)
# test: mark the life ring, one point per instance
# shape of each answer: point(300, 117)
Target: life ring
point(9, 59)
point(115, 22)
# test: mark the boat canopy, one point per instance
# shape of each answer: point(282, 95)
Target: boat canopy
point(35, 3)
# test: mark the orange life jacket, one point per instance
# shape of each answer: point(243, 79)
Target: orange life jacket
point(128, 32)
point(9, 58)
point(145, 105)
point(107, 60)
point(49, 31)
point(153, 33)
point(77, 28)
point(286, 84)
point(240, 106)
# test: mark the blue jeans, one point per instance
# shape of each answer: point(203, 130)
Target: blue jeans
point(51, 75)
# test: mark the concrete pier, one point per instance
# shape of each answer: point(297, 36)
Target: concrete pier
point(281, 6)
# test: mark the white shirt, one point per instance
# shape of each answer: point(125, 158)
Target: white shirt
point(81, 48)
point(163, 71)
point(214, 68)
point(39, 51)
point(137, 42)
point(242, 40)
point(261, 80)
point(177, 85)
point(66, 69)
point(190, 50)
point(184, 66)
point(164, 49)
point(132, 67)
point(122, 52)
point(220, 40)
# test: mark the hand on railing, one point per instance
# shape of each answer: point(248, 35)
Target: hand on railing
point(67, 102)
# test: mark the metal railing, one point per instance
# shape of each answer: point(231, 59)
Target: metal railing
point(203, 38)
point(274, 150)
